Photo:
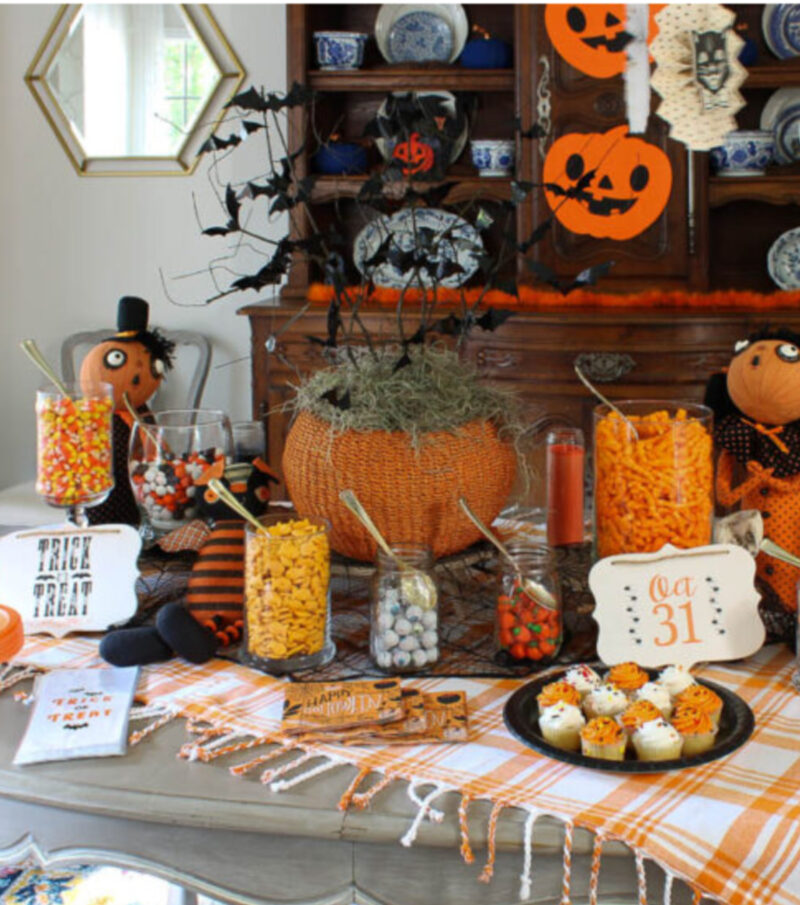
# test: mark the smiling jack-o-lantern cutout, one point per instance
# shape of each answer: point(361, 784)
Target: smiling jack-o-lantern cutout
point(592, 37)
point(418, 156)
point(606, 184)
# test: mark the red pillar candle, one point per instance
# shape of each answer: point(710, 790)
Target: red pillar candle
point(565, 466)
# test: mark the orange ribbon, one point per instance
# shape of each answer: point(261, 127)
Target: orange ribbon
point(771, 432)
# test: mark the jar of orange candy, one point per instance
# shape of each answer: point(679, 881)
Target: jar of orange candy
point(528, 608)
point(653, 476)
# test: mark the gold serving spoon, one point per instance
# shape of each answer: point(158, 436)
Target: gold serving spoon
point(33, 352)
point(417, 587)
point(230, 500)
point(532, 588)
point(593, 389)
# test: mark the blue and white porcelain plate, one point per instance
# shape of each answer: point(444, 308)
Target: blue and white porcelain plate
point(780, 24)
point(781, 115)
point(420, 37)
point(453, 238)
point(421, 32)
point(783, 260)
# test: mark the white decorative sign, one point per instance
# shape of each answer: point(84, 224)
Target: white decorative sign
point(677, 606)
point(63, 579)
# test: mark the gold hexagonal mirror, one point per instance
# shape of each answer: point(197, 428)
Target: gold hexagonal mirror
point(134, 88)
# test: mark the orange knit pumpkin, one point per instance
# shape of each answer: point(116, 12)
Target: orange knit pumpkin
point(411, 495)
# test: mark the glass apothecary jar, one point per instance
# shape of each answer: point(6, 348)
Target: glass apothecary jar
point(653, 476)
point(404, 631)
point(529, 619)
point(287, 602)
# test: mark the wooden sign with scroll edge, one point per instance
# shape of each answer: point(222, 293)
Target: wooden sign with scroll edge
point(64, 579)
point(677, 606)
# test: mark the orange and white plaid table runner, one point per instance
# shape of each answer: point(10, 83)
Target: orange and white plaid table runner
point(730, 828)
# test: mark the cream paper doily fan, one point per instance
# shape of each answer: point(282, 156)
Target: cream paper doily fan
point(697, 116)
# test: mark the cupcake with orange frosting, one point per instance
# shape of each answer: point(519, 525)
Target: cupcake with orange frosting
point(582, 677)
point(636, 715)
point(561, 725)
point(605, 700)
point(657, 694)
point(555, 692)
point(628, 677)
point(695, 727)
point(657, 740)
point(702, 698)
point(603, 737)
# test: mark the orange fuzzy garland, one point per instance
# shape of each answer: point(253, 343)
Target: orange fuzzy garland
point(532, 298)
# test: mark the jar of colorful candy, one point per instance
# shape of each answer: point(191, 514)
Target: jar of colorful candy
point(529, 624)
point(653, 476)
point(404, 629)
point(73, 444)
point(167, 456)
point(287, 595)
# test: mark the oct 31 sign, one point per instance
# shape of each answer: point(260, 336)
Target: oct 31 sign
point(62, 579)
point(677, 606)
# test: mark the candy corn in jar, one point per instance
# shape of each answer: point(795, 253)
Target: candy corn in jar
point(73, 442)
point(653, 477)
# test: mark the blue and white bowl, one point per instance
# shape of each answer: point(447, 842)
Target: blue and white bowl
point(340, 49)
point(493, 156)
point(745, 153)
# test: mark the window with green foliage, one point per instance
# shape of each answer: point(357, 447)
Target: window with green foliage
point(189, 79)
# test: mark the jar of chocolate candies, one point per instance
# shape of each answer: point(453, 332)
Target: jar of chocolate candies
point(404, 617)
point(529, 623)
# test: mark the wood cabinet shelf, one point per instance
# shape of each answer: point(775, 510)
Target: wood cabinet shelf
point(778, 188)
point(331, 188)
point(777, 74)
point(406, 78)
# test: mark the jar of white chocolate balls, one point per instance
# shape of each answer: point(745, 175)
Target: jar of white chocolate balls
point(404, 625)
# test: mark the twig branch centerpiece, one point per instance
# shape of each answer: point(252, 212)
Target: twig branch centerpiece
point(401, 418)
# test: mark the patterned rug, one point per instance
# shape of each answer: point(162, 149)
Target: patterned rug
point(24, 884)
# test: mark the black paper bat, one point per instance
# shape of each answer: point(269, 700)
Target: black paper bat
point(586, 277)
point(333, 398)
point(493, 318)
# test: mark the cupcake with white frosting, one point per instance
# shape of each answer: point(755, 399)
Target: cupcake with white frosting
point(657, 740)
point(583, 678)
point(675, 679)
point(657, 694)
point(605, 700)
point(561, 725)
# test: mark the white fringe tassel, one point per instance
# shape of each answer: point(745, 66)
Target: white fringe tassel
point(668, 880)
point(526, 877)
point(423, 808)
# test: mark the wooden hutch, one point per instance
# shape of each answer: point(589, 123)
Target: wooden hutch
point(714, 233)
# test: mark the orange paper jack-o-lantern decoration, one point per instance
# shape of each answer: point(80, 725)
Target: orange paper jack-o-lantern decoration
point(627, 190)
point(418, 156)
point(592, 37)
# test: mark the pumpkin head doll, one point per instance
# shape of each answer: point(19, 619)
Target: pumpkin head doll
point(757, 410)
point(134, 361)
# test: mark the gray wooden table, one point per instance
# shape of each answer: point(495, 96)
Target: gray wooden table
point(232, 839)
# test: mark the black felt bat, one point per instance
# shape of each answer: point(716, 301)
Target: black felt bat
point(586, 277)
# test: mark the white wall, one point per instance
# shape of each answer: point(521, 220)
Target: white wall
point(71, 246)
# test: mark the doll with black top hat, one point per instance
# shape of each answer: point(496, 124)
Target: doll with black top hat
point(134, 361)
point(756, 404)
